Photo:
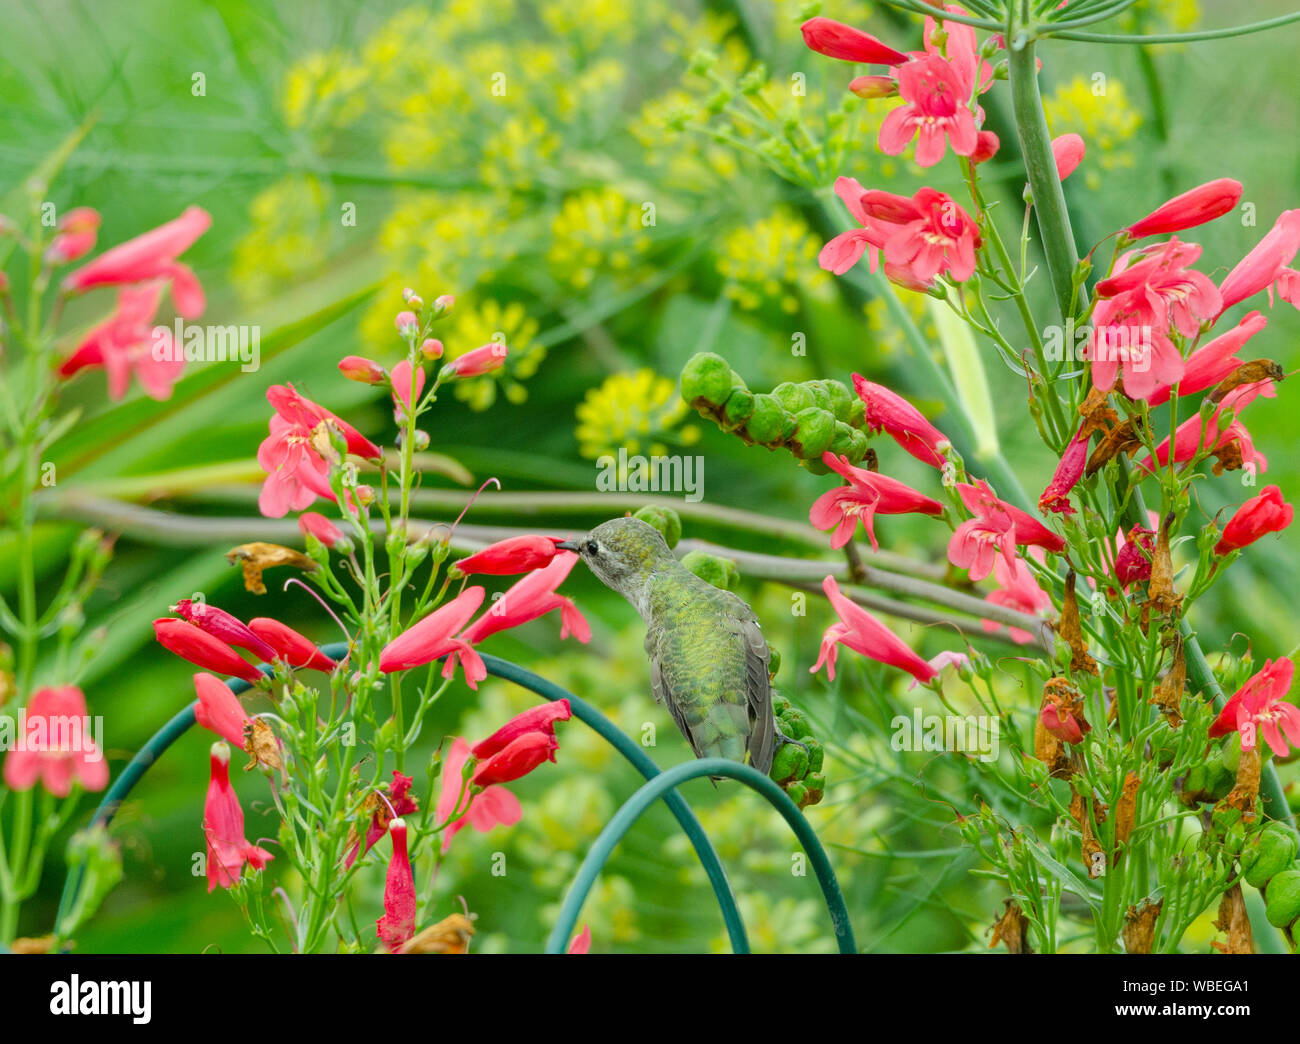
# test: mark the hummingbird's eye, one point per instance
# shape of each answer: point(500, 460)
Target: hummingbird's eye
point(591, 547)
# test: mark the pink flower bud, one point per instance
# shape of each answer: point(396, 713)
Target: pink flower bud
point(1068, 152)
point(837, 40)
point(76, 236)
point(202, 649)
point(541, 718)
point(444, 303)
point(518, 758)
point(294, 649)
point(1265, 513)
point(317, 525)
point(874, 87)
point(362, 370)
point(1195, 207)
point(407, 323)
point(219, 710)
point(519, 554)
point(986, 147)
point(1056, 497)
point(431, 348)
point(480, 361)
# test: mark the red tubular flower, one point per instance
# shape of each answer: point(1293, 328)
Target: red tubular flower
point(863, 633)
point(397, 924)
point(517, 758)
point(1266, 266)
point(1067, 150)
point(520, 554)
point(303, 413)
point(56, 749)
point(219, 710)
point(891, 413)
point(401, 383)
point(1194, 207)
point(986, 147)
point(202, 649)
point(1196, 436)
point(868, 494)
point(438, 635)
point(1062, 724)
point(401, 803)
point(492, 806)
point(837, 40)
point(531, 597)
point(480, 361)
point(127, 343)
point(221, 624)
point(1056, 497)
point(541, 718)
point(286, 644)
point(78, 229)
point(874, 87)
point(223, 826)
point(317, 525)
point(1260, 705)
point(151, 256)
point(362, 370)
point(1211, 363)
point(1265, 513)
point(1025, 528)
point(1133, 561)
point(581, 943)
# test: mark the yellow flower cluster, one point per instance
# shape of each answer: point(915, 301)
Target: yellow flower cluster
point(476, 324)
point(599, 231)
point(775, 258)
point(634, 411)
point(1100, 112)
point(288, 236)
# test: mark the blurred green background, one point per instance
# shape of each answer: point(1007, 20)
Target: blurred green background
point(506, 151)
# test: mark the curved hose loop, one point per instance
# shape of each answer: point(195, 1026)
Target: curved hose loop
point(505, 669)
point(667, 781)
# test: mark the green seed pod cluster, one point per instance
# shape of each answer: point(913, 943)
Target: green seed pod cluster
point(808, 418)
point(798, 771)
point(1208, 780)
point(720, 572)
point(666, 520)
point(1268, 853)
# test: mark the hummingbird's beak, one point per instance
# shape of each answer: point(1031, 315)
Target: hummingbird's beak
point(569, 545)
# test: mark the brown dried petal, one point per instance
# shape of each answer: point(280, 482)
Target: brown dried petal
point(1234, 920)
point(258, 556)
point(450, 935)
point(1248, 373)
point(1011, 928)
point(1168, 695)
point(1122, 438)
point(1071, 629)
point(1160, 589)
point(1140, 926)
point(262, 748)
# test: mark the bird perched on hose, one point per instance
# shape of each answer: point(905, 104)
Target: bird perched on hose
point(708, 657)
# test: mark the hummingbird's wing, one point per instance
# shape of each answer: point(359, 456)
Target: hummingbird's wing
point(762, 735)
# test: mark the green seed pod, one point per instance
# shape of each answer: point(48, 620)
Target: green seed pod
point(794, 397)
point(720, 572)
point(857, 413)
point(1232, 752)
point(706, 380)
point(816, 755)
point(816, 467)
point(1282, 898)
point(816, 787)
point(797, 726)
point(780, 705)
point(820, 396)
point(841, 398)
point(812, 437)
point(666, 520)
point(737, 381)
point(737, 409)
point(789, 763)
point(842, 442)
point(774, 660)
point(789, 425)
point(798, 793)
point(858, 447)
point(767, 422)
point(1270, 853)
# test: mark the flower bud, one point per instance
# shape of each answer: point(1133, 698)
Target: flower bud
point(362, 370)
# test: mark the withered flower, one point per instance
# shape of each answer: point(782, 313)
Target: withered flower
point(1139, 929)
point(258, 556)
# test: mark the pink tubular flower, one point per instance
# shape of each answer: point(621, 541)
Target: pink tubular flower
point(996, 528)
point(1133, 560)
point(398, 803)
point(362, 370)
point(494, 805)
point(1211, 363)
point(1266, 266)
point(476, 363)
point(541, 718)
point(846, 249)
point(863, 633)
point(581, 943)
point(867, 495)
point(937, 96)
point(127, 343)
point(891, 413)
point(924, 237)
point(1196, 436)
point(1056, 497)
point(1149, 293)
point(1067, 150)
point(151, 256)
point(303, 413)
point(520, 554)
point(295, 474)
point(1265, 513)
point(438, 634)
point(517, 758)
point(202, 649)
point(221, 624)
point(219, 710)
point(315, 524)
point(837, 40)
point(397, 924)
point(286, 644)
point(78, 229)
point(1017, 589)
point(531, 597)
point(223, 826)
point(1194, 207)
point(56, 748)
point(1260, 705)
point(402, 385)
point(1062, 723)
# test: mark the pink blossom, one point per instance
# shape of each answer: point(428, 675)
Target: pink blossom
point(221, 624)
point(1067, 150)
point(1266, 267)
point(480, 361)
point(1211, 363)
point(398, 803)
point(581, 943)
point(996, 529)
point(1260, 705)
point(402, 386)
point(517, 758)
point(531, 597)
point(936, 111)
point(1265, 513)
point(295, 474)
point(315, 524)
point(288, 646)
point(437, 635)
point(1197, 436)
point(858, 630)
point(494, 805)
point(149, 257)
point(1194, 207)
point(127, 343)
point(301, 411)
point(219, 710)
point(1056, 497)
point(508, 557)
point(868, 494)
point(223, 826)
point(78, 229)
point(889, 412)
point(541, 718)
point(56, 748)
point(397, 924)
point(837, 40)
point(1017, 589)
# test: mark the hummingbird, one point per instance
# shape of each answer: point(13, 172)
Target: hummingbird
point(708, 656)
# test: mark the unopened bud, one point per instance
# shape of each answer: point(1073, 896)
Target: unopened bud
point(431, 348)
point(362, 370)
